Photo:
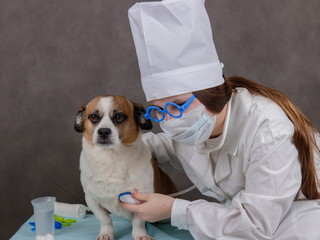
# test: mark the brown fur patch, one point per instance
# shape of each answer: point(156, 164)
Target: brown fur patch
point(88, 126)
point(128, 130)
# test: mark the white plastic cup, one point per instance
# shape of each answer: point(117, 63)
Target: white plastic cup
point(43, 208)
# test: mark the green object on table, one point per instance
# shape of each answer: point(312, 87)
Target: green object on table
point(63, 221)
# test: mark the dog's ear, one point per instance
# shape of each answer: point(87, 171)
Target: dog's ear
point(80, 118)
point(142, 122)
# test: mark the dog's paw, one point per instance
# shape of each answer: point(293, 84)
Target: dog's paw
point(144, 238)
point(105, 237)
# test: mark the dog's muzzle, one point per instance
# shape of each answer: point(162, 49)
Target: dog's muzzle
point(104, 134)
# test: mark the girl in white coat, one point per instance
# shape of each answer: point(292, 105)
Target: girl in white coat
point(243, 144)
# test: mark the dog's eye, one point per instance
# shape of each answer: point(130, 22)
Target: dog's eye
point(94, 118)
point(119, 117)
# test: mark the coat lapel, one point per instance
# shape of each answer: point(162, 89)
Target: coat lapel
point(222, 168)
point(240, 107)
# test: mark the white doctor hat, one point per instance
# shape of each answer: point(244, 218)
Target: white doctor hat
point(174, 46)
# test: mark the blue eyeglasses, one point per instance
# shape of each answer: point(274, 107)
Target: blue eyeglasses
point(174, 110)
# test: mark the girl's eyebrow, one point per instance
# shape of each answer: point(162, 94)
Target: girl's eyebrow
point(154, 105)
point(178, 100)
point(181, 100)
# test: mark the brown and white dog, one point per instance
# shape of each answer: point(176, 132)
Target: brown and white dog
point(115, 160)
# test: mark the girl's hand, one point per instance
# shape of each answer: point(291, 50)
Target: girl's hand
point(154, 207)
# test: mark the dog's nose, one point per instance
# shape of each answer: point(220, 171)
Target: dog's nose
point(104, 132)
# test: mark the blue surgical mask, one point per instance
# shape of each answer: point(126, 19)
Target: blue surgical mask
point(192, 128)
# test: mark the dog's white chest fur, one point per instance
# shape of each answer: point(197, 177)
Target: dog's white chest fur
point(105, 173)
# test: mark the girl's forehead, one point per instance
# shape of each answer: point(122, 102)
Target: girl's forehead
point(162, 101)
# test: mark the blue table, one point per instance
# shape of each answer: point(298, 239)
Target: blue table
point(88, 229)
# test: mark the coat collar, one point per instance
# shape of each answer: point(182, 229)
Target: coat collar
point(241, 102)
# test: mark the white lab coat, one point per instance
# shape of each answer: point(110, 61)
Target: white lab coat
point(255, 176)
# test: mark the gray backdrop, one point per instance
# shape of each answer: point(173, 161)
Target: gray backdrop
point(57, 55)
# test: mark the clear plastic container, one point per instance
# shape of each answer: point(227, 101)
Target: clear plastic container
point(43, 208)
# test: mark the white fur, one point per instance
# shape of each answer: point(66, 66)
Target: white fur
point(105, 104)
point(108, 171)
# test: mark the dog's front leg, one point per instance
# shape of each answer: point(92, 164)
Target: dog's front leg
point(139, 231)
point(106, 227)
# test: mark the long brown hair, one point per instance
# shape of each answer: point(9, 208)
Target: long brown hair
point(304, 137)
